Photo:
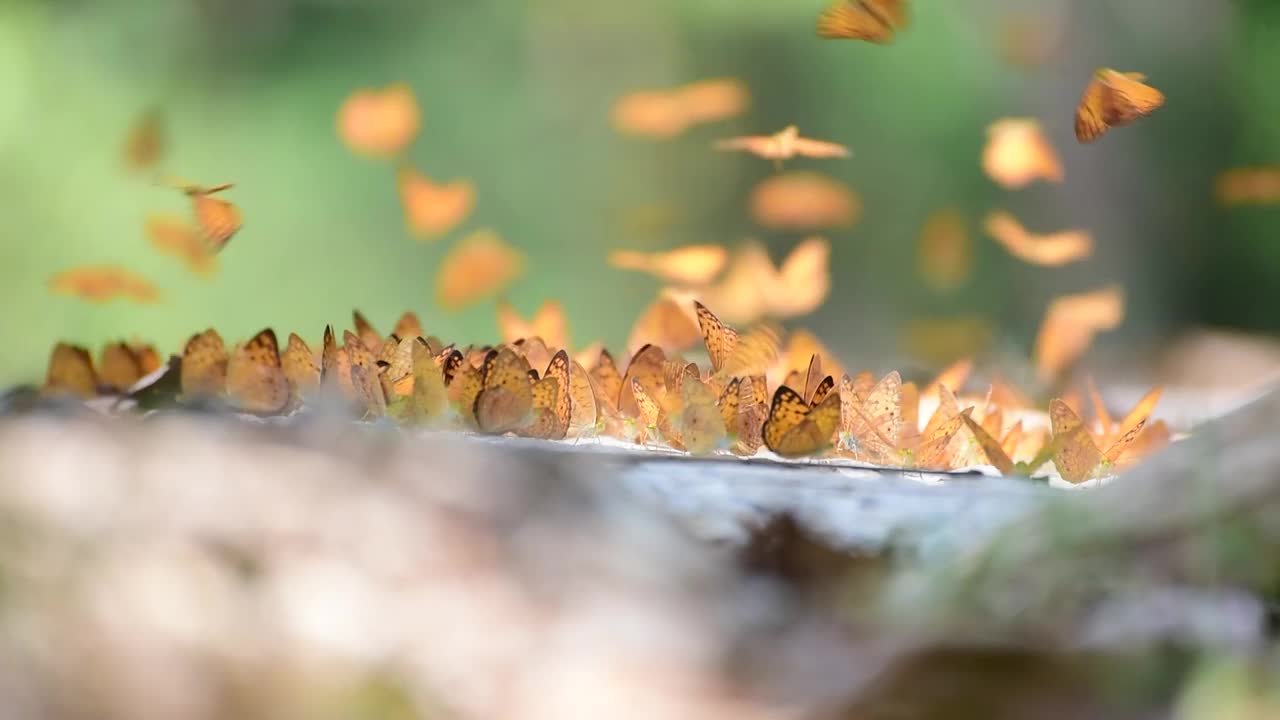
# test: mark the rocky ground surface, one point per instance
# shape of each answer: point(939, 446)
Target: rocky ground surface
point(188, 566)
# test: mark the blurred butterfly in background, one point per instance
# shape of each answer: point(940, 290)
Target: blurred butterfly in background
point(217, 220)
point(875, 21)
point(1113, 99)
point(784, 145)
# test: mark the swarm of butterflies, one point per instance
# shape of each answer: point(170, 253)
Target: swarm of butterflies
point(758, 391)
point(793, 399)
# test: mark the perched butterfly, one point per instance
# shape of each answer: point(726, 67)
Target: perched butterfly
point(335, 371)
point(203, 372)
point(993, 450)
point(871, 20)
point(1075, 453)
point(734, 354)
point(463, 381)
point(300, 369)
point(429, 399)
point(70, 372)
point(148, 358)
point(871, 420)
point(409, 326)
point(366, 332)
point(701, 426)
point(103, 283)
point(371, 399)
point(548, 323)
point(689, 265)
point(647, 371)
point(552, 401)
point(256, 382)
point(144, 145)
point(1018, 153)
point(783, 145)
point(1249, 186)
point(606, 381)
point(379, 123)
point(584, 408)
point(794, 428)
point(1113, 99)
point(395, 365)
point(175, 236)
point(432, 209)
point(478, 266)
point(804, 201)
point(936, 447)
point(1050, 250)
point(945, 255)
point(120, 367)
point(1069, 326)
point(505, 400)
point(1107, 430)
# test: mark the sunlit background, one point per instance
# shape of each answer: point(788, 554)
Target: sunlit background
point(517, 97)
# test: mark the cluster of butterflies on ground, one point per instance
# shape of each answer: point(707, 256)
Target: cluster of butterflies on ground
point(792, 398)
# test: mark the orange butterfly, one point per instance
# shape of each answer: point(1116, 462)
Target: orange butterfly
point(804, 201)
point(801, 348)
point(753, 287)
point(478, 266)
point(70, 372)
point(1050, 250)
point(650, 113)
point(203, 372)
point(783, 145)
point(255, 381)
point(735, 354)
point(667, 324)
point(667, 113)
point(505, 400)
point(1018, 153)
point(144, 145)
point(548, 323)
point(102, 283)
point(174, 236)
point(1070, 324)
point(379, 123)
point(945, 254)
point(1249, 186)
point(120, 367)
point(794, 428)
point(217, 219)
point(300, 369)
point(871, 20)
point(688, 265)
point(1075, 453)
point(712, 100)
point(1113, 99)
point(147, 356)
point(432, 209)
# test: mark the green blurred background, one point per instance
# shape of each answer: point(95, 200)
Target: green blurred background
point(516, 96)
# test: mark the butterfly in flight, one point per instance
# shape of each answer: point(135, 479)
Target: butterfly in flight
point(784, 145)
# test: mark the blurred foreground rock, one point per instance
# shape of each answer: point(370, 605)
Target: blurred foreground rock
point(197, 567)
